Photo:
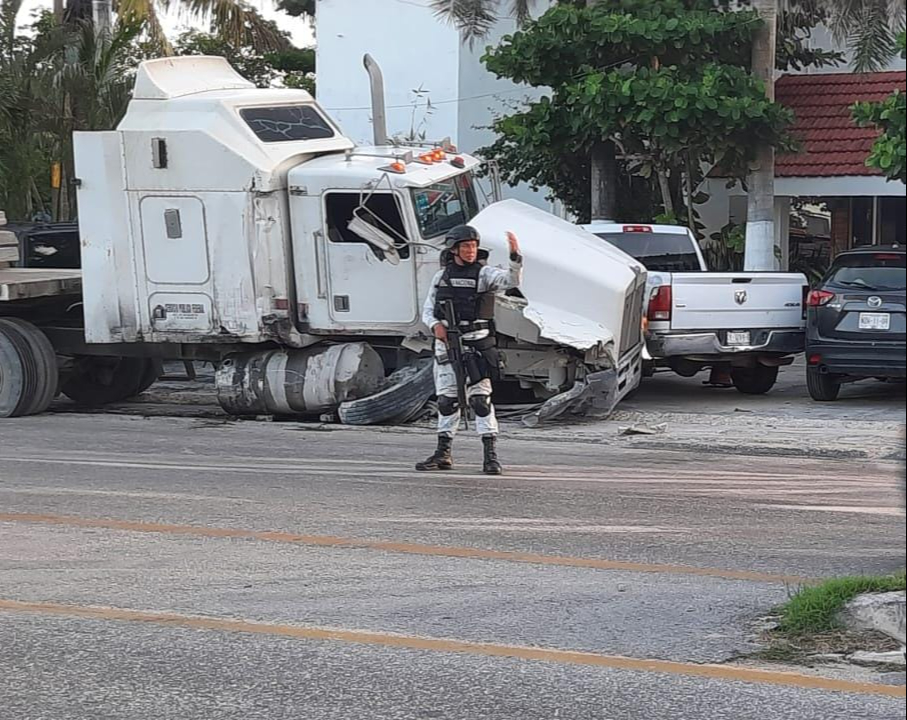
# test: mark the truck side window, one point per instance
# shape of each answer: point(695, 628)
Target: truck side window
point(339, 207)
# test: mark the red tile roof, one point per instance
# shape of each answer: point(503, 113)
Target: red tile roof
point(833, 146)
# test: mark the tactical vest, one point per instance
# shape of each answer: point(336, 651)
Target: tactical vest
point(460, 283)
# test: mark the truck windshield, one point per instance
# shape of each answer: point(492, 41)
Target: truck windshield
point(444, 205)
point(659, 252)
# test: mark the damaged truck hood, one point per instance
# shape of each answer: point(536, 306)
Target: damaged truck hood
point(576, 286)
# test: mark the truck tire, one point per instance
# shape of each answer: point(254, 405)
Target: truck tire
point(45, 359)
point(16, 378)
point(756, 380)
point(410, 388)
point(154, 368)
point(822, 387)
point(103, 380)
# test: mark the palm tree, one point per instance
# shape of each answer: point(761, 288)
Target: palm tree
point(869, 28)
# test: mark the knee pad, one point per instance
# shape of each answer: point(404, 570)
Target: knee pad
point(447, 405)
point(481, 405)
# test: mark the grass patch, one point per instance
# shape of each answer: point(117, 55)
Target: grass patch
point(812, 610)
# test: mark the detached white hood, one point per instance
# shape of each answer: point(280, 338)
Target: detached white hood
point(577, 285)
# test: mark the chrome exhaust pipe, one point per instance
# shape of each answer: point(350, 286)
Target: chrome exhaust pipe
point(379, 115)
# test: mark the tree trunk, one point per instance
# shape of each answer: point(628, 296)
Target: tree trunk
point(58, 11)
point(760, 218)
point(604, 181)
point(690, 192)
point(604, 175)
point(667, 202)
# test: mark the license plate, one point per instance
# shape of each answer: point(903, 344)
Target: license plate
point(738, 338)
point(875, 321)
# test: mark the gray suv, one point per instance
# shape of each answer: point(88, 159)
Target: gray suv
point(856, 322)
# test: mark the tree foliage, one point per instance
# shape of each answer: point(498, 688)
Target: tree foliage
point(291, 66)
point(666, 80)
point(868, 28)
point(889, 152)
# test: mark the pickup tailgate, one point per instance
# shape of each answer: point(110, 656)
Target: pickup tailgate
point(731, 301)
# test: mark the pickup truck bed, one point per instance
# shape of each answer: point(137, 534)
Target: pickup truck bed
point(28, 283)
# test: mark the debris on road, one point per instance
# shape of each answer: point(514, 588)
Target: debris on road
point(642, 429)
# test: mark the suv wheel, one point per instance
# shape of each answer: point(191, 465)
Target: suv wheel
point(822, 387)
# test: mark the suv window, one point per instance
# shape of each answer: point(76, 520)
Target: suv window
point(870, 271)
point(660, 252)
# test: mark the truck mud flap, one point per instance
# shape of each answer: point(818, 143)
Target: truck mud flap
point(593, 397)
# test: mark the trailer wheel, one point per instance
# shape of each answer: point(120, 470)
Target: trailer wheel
point(756, 380)
point(410, 388)
point(45, 359)
point(99, 381)
point(18, 372)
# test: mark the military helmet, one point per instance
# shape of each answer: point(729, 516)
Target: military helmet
point(460, 233)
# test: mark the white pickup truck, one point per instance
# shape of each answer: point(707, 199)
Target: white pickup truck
point(746, 323)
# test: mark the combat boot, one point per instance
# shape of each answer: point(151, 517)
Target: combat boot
point(492, 465)
point(441, 459)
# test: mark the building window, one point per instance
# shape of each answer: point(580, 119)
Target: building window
point(861, 221)
point(892, 223)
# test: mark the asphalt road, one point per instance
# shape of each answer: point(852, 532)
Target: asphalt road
point(180, 568)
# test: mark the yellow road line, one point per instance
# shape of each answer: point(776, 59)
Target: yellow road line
point(405, 548)
point(414, 642)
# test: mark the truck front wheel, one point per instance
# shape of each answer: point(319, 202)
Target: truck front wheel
point(756, 380)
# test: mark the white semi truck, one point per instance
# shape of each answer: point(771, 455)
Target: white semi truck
point(238, 225)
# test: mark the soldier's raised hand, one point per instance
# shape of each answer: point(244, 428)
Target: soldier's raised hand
point(513, 243)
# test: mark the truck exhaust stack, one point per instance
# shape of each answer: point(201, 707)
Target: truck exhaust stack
point(376, 83)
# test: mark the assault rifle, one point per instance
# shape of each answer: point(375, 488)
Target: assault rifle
point(455, 353)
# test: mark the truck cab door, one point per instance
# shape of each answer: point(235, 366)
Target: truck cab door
point(360, 287)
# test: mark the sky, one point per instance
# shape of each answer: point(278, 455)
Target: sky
point(300, 30)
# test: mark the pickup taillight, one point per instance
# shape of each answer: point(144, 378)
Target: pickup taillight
point(660, 304)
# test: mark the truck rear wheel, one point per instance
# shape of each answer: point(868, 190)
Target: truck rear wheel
point(45, 364)
point(14, 378)
point(756, 380)
point(99, 381)
point(153, 370)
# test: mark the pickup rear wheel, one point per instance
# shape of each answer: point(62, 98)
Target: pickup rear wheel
point(756, 380)
point(823, 387)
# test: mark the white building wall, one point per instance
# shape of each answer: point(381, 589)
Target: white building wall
point(423, 61)
point(414, 50)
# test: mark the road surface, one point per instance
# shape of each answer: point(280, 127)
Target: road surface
point(194, 568)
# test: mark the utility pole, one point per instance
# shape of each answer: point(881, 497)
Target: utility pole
point(760, 217)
